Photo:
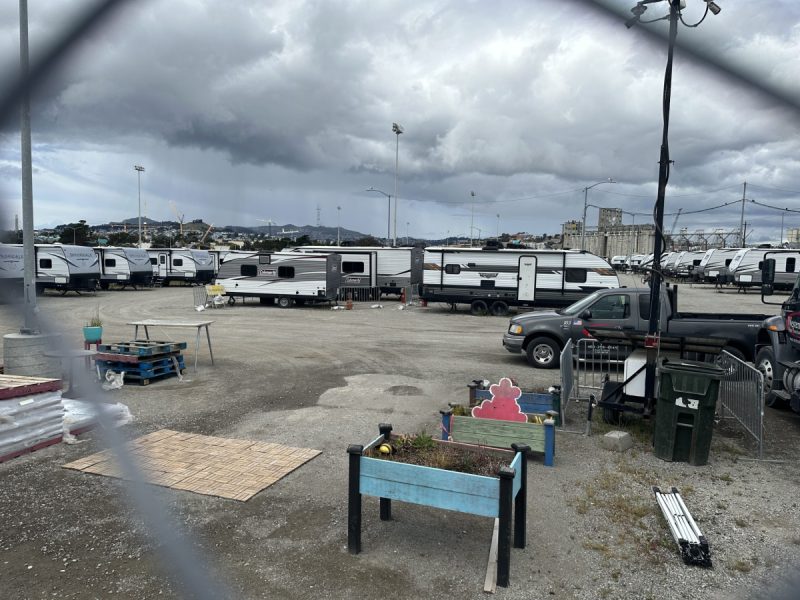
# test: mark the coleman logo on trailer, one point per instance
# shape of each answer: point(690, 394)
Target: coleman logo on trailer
point(268, 272)
point(352, 279)
point(488, 275)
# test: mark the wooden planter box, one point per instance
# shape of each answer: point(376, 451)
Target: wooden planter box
point(440, 488)
point(501, 434)
point(531, 403)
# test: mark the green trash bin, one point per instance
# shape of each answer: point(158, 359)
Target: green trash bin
point(687, 400)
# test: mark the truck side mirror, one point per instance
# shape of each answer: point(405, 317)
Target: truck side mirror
point(586, 315)
point(768, 277)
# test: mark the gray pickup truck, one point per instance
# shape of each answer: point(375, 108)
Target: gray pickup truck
point(542, 335)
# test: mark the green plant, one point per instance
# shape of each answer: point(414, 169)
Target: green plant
point(95, 320)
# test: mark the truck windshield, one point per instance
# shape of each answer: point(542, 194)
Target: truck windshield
point(579, 306)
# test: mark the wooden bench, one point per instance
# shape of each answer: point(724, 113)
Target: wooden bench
point(501, 434)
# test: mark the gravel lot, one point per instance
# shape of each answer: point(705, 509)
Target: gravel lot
point(324, 379)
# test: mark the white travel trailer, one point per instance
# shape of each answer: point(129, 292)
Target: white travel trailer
point(181, 264)
point(494, 279)
point(687, 263)
point(714, 265)
point(282, 277)
point(359, 266)
point(669, 265)
point(65, 268)
point(12, 271)
point(124, 266)
point(747, 263)
point(395, 269)
point(619, 263)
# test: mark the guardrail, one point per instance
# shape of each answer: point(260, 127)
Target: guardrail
point(741, 394)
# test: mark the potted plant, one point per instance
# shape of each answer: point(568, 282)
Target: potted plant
point(93, 330)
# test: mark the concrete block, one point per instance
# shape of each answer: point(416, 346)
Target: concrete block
point(617, 441)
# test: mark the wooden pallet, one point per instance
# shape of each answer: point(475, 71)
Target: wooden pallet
point(142, 347)
point(14, 386)
point(132, 359)
point(146, 369)
point(144, 378)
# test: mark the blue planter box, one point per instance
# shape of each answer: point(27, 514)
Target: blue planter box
point(440, 488)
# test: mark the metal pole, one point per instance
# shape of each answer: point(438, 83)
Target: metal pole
point(397, 129)
point(583, 227)
point(663, 176)
point(389, 220)
point(782, 215)
point(498, 226)
point(741, 222)
point(338, 224)
point(29, 252)
point(472, 218)
point(139, 170)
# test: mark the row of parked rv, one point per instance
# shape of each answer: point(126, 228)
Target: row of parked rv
point(738, 266)
point(489, 279)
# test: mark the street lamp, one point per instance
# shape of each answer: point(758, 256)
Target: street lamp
point(407, 224)
point(389, 215)
point(338, 224)
point(498, 227)
point(472, 218)
point(585, 200)
point(139, 171)
point(397, 129)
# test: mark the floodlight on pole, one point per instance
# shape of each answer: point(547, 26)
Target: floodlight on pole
point(471, 218)
point(397, 129)
point(139, 171)
point(338, 225)
point(585, 200)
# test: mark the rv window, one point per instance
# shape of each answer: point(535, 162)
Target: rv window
point(177, 262)
point(452, 269)
point(263, 259)
point(153, 260)
point(287, 272)
point(760, 265)
point(45, 263)
point(790, 265)
point(487, 283)
point(728, 262)
point(162, 259)
point(110, 262)
point(248, 271)
point(352, 267)
point(696, 263)
point(575, 276)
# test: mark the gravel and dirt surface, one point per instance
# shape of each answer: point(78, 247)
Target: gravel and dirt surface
point(324, 379)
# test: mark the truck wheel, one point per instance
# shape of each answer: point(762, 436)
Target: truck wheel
point(284, 302)
point(499, 308)
point(478, 308)
point(543, 353)
point(765, 362)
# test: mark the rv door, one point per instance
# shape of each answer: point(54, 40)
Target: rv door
point(526, 279)
point(162, 264)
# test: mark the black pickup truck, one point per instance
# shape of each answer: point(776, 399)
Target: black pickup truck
point(542, 335)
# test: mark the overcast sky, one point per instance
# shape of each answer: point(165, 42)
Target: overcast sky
point(241, 111)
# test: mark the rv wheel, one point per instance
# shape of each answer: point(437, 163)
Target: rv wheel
point(284, 302)
point(103, 285)
point(478, 308)
point(499, 308)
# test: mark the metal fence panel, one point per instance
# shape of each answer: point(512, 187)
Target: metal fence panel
point(567, 378)
point(359, 294)
point(596, 363)
point(741, 393)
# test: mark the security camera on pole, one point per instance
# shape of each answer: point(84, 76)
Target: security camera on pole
point(397, 129)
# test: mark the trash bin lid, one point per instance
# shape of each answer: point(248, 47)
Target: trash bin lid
point(693, 367)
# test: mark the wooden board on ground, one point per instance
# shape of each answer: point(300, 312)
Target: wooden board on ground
point(228, 468)
point(490, 583)
point(14, 386)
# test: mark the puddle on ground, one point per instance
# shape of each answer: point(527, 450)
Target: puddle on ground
point(404, 390)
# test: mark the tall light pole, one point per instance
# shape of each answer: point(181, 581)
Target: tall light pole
point(338, 224)
point(783, 213)
point(388, 216)
point(407, 224)
point(651, 340)
point(139, 171)
point(585, 200)
point(498, 227)
point(471, 217)
point(397, 129)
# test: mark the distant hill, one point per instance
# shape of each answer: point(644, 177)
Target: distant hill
point(295, 231)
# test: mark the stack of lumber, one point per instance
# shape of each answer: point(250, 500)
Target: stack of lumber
point(31, 414)
point(142, 361)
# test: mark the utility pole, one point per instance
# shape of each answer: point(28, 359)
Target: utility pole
point(741, 222)
point(397, 129)
point(29, 259)
point(472, 218)
point(139, 170)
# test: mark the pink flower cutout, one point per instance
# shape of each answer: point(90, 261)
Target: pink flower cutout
point(503, 405)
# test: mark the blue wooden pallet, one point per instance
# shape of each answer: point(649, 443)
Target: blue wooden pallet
point(142, 347)
point(137, 373)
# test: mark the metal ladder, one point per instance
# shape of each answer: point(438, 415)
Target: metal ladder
point(692, 543)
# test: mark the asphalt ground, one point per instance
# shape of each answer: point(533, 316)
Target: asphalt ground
point(320, 378)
